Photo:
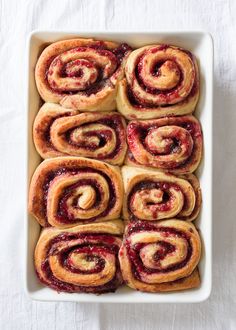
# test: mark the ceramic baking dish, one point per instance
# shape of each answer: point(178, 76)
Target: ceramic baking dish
point(202, 46)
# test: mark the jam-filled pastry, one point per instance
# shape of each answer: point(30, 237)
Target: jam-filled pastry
point(59, 131)
point(162, 256)
point(151, 195)
point(160, 80)
point(172, 144)
point(81, 73)
point(80, 259)
point(68, 191)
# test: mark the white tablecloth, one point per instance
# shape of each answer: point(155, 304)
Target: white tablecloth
point(17, 19)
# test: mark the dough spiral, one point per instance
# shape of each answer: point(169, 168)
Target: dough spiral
point(80, 259)
point(160, 256)
point(81, 74)
point(67, 191)
point(160, 80)
point(60, 132)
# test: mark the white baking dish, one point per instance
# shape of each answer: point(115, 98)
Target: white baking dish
point(202, 46)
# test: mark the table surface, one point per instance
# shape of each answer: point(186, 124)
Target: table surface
point(17, 19)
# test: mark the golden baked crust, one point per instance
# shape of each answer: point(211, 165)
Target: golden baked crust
point(42, 128)
point(160, 256)
point(80, 259)
point(60, 132)
point(172, 144)
point(67, 191)
point(81, 198)
point(193, 180)
point(80, 74)
point(160, 80)
point(152, 195)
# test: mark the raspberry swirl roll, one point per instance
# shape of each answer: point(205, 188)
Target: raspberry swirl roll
point(80, 259)
point(160, 256)
point(173, 144)
point(160, 80)
point(68, 191)
point(58, 132)
point(81, 73)
point(152, 195)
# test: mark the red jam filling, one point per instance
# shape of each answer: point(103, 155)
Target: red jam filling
point(159, 48)
point(173, 148)
point(139, 131)
point(101, 248)
point(165, 94)
point(140, 103)
point(193, 128)
point(133, 252)
point(121, 51)
point(45, 132)
point(147, 185)
point(100, 83)
point(63, 214)
point(166, 248)
point(104, 136)
point(104, 238)
point(154, 91)
point(99, 261)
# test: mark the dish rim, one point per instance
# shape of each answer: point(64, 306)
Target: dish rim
point(179, 297)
